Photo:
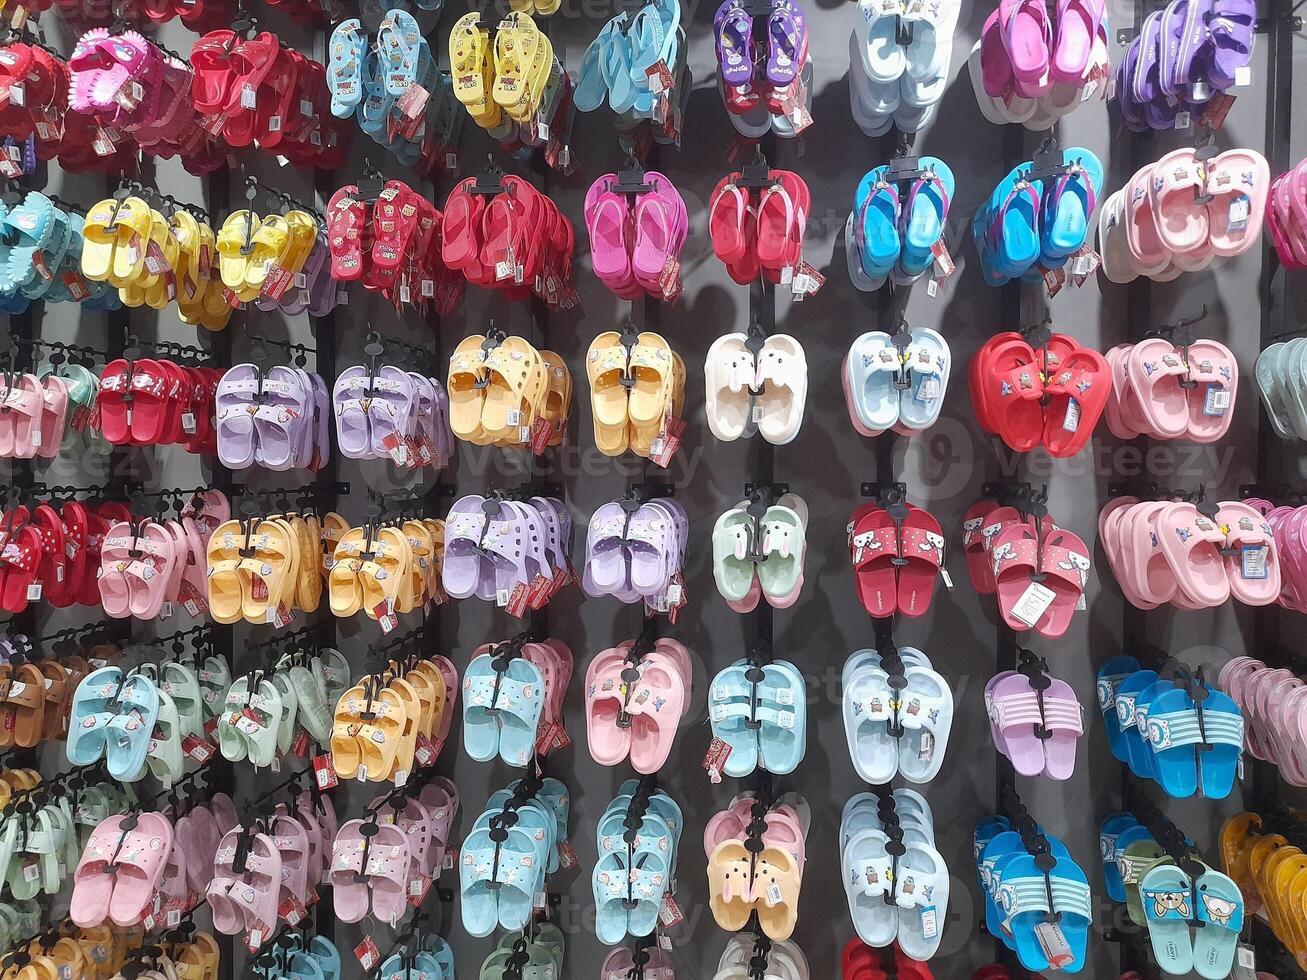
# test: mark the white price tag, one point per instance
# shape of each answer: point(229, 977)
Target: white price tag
point(1034, 602)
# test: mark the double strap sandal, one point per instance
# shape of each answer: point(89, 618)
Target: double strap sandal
point(385, 412)
point(896, 882)
point(635, 550)
point(513, 552)
point(35, 414)
point(279, 419)
point(513, 700)
point(504, 859)
point(388, 569)
point(896, 382)
point(756, 856)
point(52, 552)
point(759, 712)
point(637, 394)
point(504, 392)
point(636, 695)
point(392, 724)
point(265, 570)
point(898, 713)
point(152, 569)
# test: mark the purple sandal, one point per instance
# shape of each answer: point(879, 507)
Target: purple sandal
point(1232, 24)
point(787, 42)
point(733, 29)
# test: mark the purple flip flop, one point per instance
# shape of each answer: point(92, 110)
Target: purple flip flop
point(733, 29)
point(787, 42)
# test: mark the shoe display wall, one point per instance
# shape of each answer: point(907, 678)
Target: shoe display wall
point(390, 575)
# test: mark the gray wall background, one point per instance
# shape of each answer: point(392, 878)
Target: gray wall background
point(944, 470)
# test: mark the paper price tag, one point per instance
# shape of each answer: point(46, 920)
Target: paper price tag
point(1034, 602)
point(324, 773)
point(368, 955)
point(715, 760)
point(249, 97)
point(669, 913)
point(1183, 120)
point(1245, 964)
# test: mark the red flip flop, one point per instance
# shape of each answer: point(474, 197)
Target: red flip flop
point(346, 217)
point(728, 220)
point(780, 208)
point(461, 224)
point(394, 221)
